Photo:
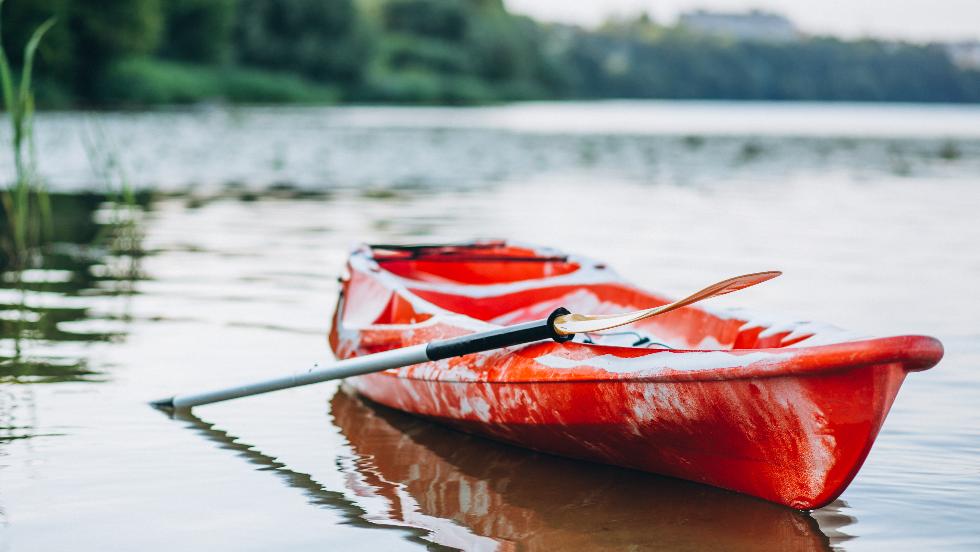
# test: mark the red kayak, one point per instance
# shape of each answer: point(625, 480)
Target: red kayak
point(782, 411)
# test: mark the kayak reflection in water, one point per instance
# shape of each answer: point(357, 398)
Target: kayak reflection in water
point(473, 493)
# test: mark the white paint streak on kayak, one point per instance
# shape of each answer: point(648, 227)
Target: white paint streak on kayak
point(797, 410)
point(470, 406)
point(813, 333)
point(657, 362)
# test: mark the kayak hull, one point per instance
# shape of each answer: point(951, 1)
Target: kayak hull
point(789, 425)
point(756, 436)
point(465, 490)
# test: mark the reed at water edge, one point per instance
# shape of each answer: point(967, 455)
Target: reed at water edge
point(26, 205)
point(29, 228)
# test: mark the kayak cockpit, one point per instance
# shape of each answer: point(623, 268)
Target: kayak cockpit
point(501, 283)
point(483, 263)
point(687, 328)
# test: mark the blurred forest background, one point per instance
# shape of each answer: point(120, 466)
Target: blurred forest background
point(146, 52)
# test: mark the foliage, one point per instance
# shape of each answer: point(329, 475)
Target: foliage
point(440, 51)
point(21, 18)
point(459, 52)
point(320, 40)
point(136, 82)
point(440, 19)
point(676, 64)
point(91, 35)
point(198, 30)
point(108, 29)
point(427, 87)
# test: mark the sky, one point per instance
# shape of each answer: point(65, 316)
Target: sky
point(913, 20)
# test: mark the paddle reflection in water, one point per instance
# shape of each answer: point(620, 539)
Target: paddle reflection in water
point(510, 498)
point(319, 495)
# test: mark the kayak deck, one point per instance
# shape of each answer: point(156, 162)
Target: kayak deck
point(782, 411)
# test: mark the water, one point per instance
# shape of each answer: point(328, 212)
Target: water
point(870, 211)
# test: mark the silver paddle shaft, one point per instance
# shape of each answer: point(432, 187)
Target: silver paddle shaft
point(497, 338)
point(356, 366)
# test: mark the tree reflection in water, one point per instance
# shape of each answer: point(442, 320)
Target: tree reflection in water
point(69, 289)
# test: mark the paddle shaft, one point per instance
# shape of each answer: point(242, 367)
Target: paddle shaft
point(561, 326)
point(518, 334)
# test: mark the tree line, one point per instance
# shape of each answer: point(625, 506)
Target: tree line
point(144, 52)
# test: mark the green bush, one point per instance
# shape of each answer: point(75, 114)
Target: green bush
point(426, 87)
point(145, 81)
point(463, 89)
point(402, 87)
point(256, 86)
point(410, 52)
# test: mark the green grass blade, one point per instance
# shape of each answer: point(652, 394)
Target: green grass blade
point(29, 51)
point(7, 83)
point(25, 202)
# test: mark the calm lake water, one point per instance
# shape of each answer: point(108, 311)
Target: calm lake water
point(229, 274)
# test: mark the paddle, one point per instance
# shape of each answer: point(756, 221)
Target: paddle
point(561, 326)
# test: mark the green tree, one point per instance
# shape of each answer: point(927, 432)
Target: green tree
point(630, 61)
point(21, 17)
point(323, 40)
point(110, 29)
point(198, 30)
point(441, 19)
point(462, 51)
point(89, 36)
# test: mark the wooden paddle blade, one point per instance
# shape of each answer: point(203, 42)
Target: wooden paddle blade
point(586, 323)
point(744, 281)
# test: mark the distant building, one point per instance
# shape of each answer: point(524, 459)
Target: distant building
point(753, 25)
point(965, 54)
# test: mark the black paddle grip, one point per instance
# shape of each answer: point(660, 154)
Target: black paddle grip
point(517, 334)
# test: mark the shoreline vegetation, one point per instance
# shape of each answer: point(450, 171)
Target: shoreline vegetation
point(139, 53)
point(44, 234)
